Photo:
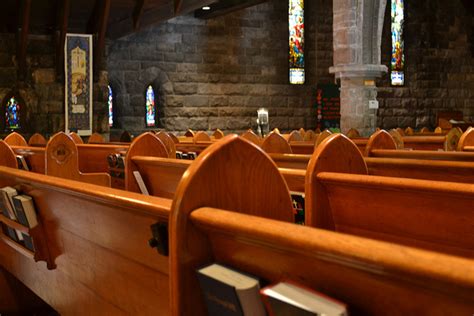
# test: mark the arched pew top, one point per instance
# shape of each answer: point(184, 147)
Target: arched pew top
point(409, 131)
point(275, 143)
point(438, 130)
point(201, 136)
point(380, 140)
point(62, 160)
point(7, 156)
point(189, 133)
point(218, 134)
point(15, 139)
point(353, 133)
point(96, 138)
point(302, 132)
point(425, 130)
point(147, 144)
point(467, 139)
point(76, 138)
point(400, 131)
point(231, 174)
point(276, 130)
point(174, 138)
point(252, 137)
point(37, 140)
point(310, 135)
point(452, 139)
point(295, 136)
point(168, 142)
point(322, 136)
point(397, 138)
point(337, 153)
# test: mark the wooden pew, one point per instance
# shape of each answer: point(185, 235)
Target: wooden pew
point(96, 138)
point(168, 142)
point(121, 274)
point(275, 143)
point(341, 196)
point(252, 137)
point(371, 277)
point(76, 138)
point(466, 142)
point(37, 140)
point(15, 139)
point(218, 134)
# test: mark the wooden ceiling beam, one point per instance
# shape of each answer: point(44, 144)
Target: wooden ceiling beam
point(101, 31)
point(61, 31)
point(177, 6)
point(23, 32)
point(137, 13)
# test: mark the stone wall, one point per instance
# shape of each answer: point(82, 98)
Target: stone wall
point(439, 73)
point(42, 91)
point(216, 73)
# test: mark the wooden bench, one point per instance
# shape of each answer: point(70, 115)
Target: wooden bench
point(98, 236)
point(341, 196)
point(372, 277)
point(466, 142)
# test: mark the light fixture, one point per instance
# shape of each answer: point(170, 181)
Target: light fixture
point(206, 8)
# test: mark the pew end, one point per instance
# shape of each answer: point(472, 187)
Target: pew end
point(379, 140)
point(253, 185)
point(15, 139)
point(76, 138)
point(37, 140)
point(96, 138)
point(466, 141)
point(276, 143)
point(201, 136)
point(168, 142)
point(322, 136)
point(252, 137)
point(337, 153)
point(7, 156)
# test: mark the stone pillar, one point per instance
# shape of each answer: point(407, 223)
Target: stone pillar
point(357, 30)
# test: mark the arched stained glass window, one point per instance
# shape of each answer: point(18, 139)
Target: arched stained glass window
point(296, 41)
point(110, 102)
point(12, 114)
point(150, 106)
point(397, 64)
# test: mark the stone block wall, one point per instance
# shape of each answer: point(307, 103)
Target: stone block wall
point(42, 91)
point(216, 73)
point(439, 65)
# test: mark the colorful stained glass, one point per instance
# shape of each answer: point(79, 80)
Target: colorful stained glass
point(150, 106)
point(397, 65)
point(12, 114)
point(296, 41)
point(110, 102)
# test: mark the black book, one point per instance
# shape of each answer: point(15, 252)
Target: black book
point(298, 206)
point(230, 292)
point(6, 198)
point(22, 164)
point(26, 214)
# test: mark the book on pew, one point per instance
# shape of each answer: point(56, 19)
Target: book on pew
point(26, 213)
point(298, 206)
point(192, 155)
point(140, 182)
point(6, 197)
point(22, 163)
point(229, 292)
point(179, 154)
point(289, 298)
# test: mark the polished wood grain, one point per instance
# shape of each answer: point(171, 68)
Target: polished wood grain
point(252, 137)
point(62, 160)
point(37, 140)
point(201, 136)
point(218, 134)
point(168, 142)
point(371, 277)
point(189, 133)
point(276, 143)
point(466, 140)
point(96, 138)
point(99, 237)
point(397, 138)
point(253, 186)
point(15, 139)
point(335, 154)
point(174, 138)
point(76, 138)
point(7, 156)
point(147, 144)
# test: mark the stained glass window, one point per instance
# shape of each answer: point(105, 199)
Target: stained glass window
point(150, 106)
point(397, 76)
point(296, 41)
point(12, 114)
point(110, 102)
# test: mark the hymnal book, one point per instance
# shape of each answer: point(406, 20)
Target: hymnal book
point(141, 184)
point(288, 298)
point(22, 163)
point(192, 155)
point(298, 206)
point(179, 154)
point(25, 211)
point(6, 196)
point(230, 292)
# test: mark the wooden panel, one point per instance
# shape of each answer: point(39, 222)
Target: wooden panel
point(275, 143)
point(15, 139)
point(93, 158)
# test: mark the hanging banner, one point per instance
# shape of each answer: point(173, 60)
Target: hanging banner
point(78, 82)
point(328, 107)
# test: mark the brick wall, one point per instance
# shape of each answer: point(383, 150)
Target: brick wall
point(216, 73)
point(439, 72)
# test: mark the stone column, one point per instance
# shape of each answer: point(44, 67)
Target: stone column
point(357, 30)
